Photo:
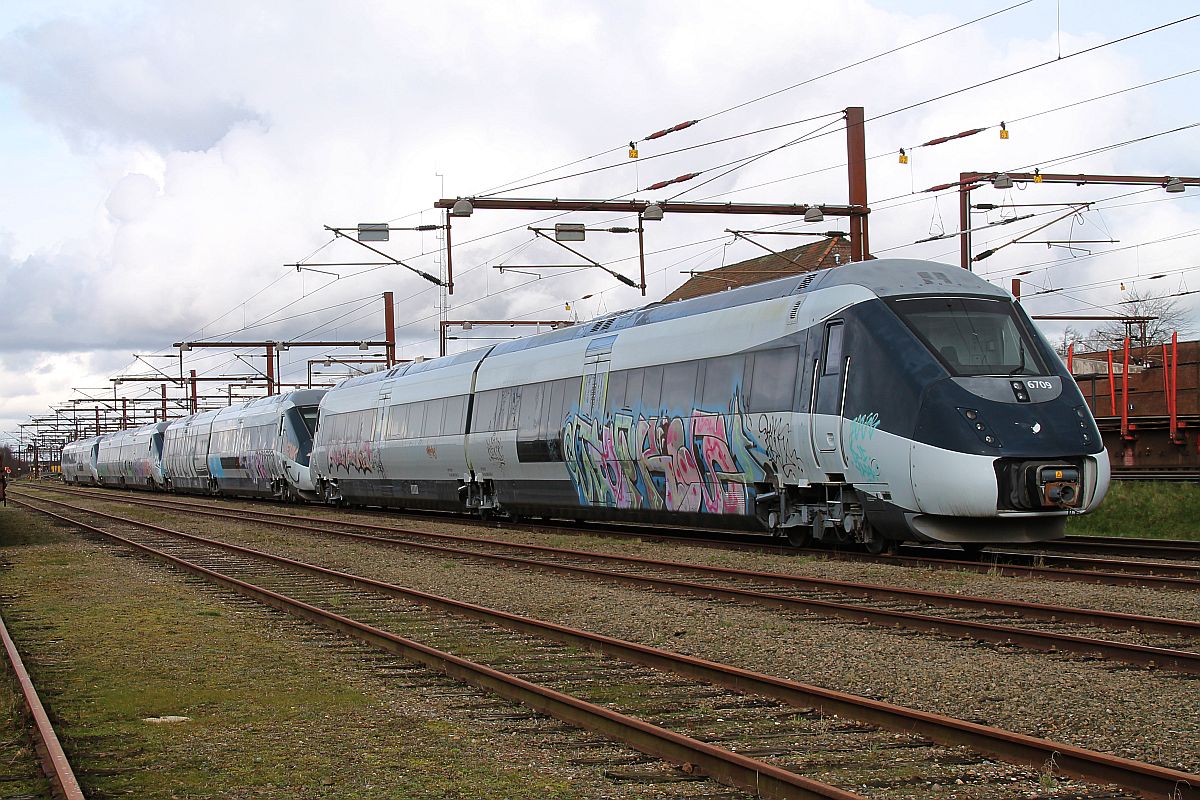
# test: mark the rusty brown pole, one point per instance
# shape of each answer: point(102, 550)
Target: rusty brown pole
point(97, 420)
point(964, 221)
point(124, 413)
point(195, 398)
point(856, 171)
point(389, 326)
point(270, 368)
point(642, 255)
point(164, 402)
point(449, 261)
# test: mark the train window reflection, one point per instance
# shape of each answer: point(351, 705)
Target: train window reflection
point(972, 336)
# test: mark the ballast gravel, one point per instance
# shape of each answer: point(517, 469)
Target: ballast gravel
point(1128, 711)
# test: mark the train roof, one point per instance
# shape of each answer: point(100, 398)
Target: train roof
point(885, 277)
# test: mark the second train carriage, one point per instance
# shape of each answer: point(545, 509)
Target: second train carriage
point(132, 458)
point(876, 401)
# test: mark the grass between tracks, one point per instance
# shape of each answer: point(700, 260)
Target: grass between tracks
point(113, 642)
point(1153, 509)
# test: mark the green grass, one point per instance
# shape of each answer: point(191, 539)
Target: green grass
point(116, 641)
point(1153, 509)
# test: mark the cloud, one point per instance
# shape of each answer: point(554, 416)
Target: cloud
point(218, 139)
point(139, 86)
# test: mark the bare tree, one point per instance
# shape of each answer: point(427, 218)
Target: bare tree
point(1170, 316)
point(1072, 336)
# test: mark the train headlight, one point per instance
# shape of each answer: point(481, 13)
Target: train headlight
point(985, 434)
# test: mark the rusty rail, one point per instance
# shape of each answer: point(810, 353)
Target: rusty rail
point(50, 752)
point(1144, 655)
point(724, 766)
point(1016, 748)
point(1096, 576)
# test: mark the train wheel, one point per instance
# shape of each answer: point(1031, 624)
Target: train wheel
point(799, 536)
point(973, 551)
point(875, 544)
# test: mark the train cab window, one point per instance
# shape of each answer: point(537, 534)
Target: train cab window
point(722, 379)
point(652, 389)
point(773, 379)
point(833, 348)
point(972, 335)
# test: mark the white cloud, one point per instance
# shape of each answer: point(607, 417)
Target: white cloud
point(217, 139)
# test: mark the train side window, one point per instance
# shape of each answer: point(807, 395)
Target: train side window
point(773, 380)
point(615, 393)
point(484, 414)
point(529, 418)
point(633, 388)
point(722, 378)
point(435, 410)
point(679, 386)
point(416, 420)
point(455, 409)
point(833, 348)
point(397, 421)
point(652, 389)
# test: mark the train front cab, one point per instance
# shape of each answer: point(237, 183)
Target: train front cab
point(998, 441)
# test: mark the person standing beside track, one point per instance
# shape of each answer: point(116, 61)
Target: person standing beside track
point(3, 485)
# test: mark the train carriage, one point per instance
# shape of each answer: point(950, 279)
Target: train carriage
point(185, 453)
point(395, 438)
point(262, 448)
point(79, 461)
point(132, 458)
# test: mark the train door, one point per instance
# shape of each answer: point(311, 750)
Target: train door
point(828, 393)
point(594, 392)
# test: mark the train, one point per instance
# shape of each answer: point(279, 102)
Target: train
point(873, 402)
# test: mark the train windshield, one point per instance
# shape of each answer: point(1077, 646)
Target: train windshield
point(309, 415)
point(297, 433)
point(972, 336)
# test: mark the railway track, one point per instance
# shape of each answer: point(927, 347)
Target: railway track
point(1160, 642)
point(753, 731)
point(1185, 577)
point(52, 760)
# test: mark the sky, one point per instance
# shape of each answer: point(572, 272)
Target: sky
point(163, 163)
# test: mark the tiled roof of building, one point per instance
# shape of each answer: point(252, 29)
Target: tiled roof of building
point(807, 258)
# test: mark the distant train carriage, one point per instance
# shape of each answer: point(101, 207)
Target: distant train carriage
point(185, 454)
point(79, 461)
point(396, 438)
point(132, 458)
point(262, 448)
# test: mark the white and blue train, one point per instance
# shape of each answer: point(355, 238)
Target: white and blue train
point(873, 402)
point(259, 449)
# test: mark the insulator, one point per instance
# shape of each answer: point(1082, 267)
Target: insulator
point(673, 129)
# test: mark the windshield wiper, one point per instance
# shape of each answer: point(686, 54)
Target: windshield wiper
point(1020, 369)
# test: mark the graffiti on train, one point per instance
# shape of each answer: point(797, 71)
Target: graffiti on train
point(361, 457)
point(862, 431)
point(696, 461)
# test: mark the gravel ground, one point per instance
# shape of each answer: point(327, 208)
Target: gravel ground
point(144, 643)
point(1136, 713)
